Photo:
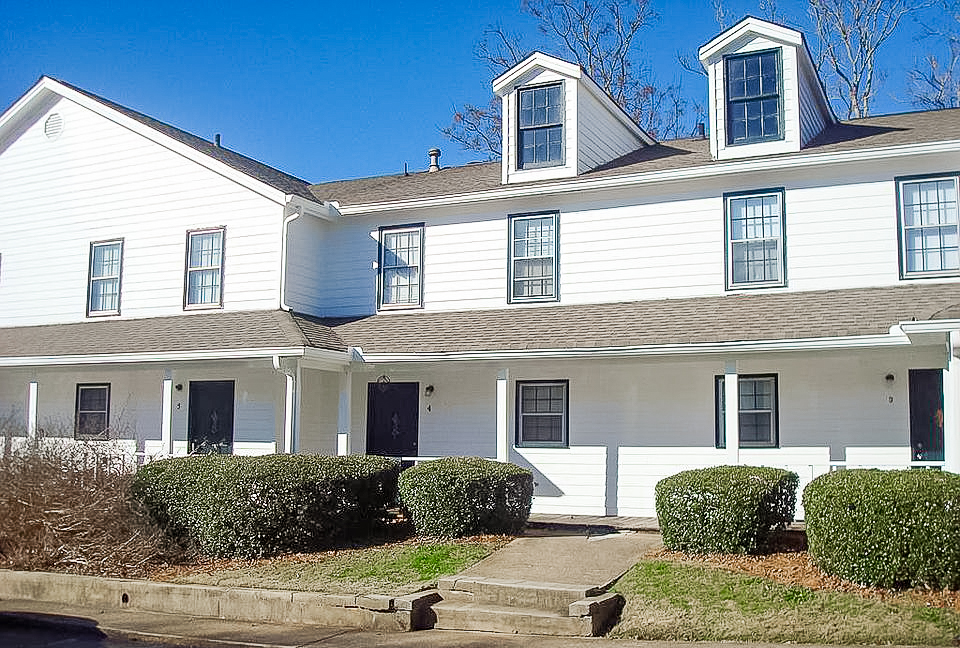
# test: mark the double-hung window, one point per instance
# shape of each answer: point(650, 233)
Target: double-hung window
point(204, 274)
point(103, 285)
point(753, 97)
point(540, 127)
point(533, 257)
point(928, 219)
point(757, 411)
point(755, 240)
point(401, 266)
point(542, 413)
point(93, 411)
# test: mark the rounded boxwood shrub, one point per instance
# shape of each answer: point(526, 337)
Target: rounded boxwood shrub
point(725, 509)
point(886, 528)
point(458, 496)
point(257, 506)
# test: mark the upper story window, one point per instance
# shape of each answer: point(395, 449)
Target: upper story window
point(753, 97)
point(928, 218)
point(540, 127)
point(93, 412)
point(204, 273)
point(755, 241)
point(542, 413)
point(757, 411)
point(103, 287)
point(401, 266)
point(533, 257)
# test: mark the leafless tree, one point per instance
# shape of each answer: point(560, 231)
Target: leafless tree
point(601, 38)
point(935, 83)
point(848, 35)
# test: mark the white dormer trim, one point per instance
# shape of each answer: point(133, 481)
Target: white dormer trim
point(804, 108)
point(595, 128)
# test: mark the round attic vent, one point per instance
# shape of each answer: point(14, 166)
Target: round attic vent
point(53, 126)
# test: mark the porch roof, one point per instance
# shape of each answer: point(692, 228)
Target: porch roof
point(219, 331)
point(741, 317)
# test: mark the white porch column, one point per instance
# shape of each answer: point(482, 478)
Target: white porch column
point(951, 405)
point(344, 412)
point(33, 393)
point(289, 398)
point(731, 407)
point(166, 414)
point(503, 416)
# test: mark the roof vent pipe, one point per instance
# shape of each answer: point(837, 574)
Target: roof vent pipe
point(434, 154)
point(216, 140)
point(701, 131)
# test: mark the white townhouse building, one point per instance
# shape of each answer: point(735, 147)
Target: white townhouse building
point(600, 307)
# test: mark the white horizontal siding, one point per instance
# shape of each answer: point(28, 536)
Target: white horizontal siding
point(101, 181)
point(567, 480)
point(601, 136)
point(640, 468)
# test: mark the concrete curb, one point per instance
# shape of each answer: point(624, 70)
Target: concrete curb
point(367, 612)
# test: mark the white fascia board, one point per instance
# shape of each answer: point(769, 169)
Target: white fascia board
point(504, 83)
point(749, 25)
point(733, 167)
point(758, 346)
point(149, 357)
point(169, 143)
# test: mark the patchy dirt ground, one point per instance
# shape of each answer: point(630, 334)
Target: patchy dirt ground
point(790, 564)
point(204, 565)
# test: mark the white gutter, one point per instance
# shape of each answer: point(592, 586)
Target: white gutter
point(769, 346)
point(931, 326)
point(653, 177)
point(162, 356)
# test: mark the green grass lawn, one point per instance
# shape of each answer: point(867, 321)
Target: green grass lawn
point(672, 601)
point(387, 569)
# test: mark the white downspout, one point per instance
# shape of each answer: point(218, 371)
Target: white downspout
point(289, 405)
point(297, 213)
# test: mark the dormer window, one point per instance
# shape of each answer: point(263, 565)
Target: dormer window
point(540, 127)
point(753, 97)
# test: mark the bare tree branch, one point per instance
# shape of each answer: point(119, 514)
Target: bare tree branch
point(598, 35)
point(936, 83)
point(848, 35)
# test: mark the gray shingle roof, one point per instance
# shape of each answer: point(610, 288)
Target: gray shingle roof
point(729, 318)
point(194, 332)
point(268, 175)
point(867, 133)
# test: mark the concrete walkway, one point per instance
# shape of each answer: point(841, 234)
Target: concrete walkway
point(588, 561)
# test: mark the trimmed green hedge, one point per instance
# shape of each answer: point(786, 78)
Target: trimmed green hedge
point(886, 528)
point(725, 509)
point(458, 496)
point(258, 506)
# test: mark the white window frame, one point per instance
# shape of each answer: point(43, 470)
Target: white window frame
point(564, 417)
point(544, 126)
point(385, 267)
point(190, 270)
point(94, 279)
point(903, 228)
point(779, 239)
point(773, 411)
point(513, 258)
point(100, 434)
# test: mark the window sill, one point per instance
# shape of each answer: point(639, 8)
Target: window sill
point(194, 307)
point(113, 313)
point(398, 307)
point(756, 286)
point(542, 446)
point(941, 274)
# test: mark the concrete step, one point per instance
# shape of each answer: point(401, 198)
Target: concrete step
point(509, 620)
point(550, 597)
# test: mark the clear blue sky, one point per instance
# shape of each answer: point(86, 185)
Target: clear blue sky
point(320, 90)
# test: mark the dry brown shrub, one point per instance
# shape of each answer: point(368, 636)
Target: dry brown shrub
point(64, 506)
